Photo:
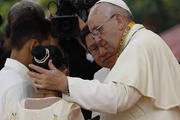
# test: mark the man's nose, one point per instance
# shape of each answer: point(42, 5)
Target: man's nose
point(102, 51)
point(97, 39)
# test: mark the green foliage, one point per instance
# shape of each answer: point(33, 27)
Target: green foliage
point(5, 5)
point(44, 3)
point(164, 13)
point(140, 8)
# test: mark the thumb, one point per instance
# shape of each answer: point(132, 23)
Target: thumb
point(51, 66)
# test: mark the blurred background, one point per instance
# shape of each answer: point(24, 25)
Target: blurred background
point(160, 16)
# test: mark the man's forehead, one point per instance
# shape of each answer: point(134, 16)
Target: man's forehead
point(95, 20)
point(95, 12)
point(97, 15)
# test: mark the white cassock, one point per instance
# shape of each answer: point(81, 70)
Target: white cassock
point(144, 83)
point(100, 75)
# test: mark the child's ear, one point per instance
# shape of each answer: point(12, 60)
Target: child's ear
point(34, 43)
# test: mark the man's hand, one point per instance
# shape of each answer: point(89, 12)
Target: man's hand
point(52, 79)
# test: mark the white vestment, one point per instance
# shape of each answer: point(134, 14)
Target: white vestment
point(15, 84)
point(146, 66)
point(101, 74)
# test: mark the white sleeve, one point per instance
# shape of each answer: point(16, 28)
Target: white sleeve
point(102, 97)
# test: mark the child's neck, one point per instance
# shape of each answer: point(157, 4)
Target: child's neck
point(41, 93)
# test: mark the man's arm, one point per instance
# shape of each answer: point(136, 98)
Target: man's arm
point(102, 97)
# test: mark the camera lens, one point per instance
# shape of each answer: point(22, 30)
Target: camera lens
point(66, 26)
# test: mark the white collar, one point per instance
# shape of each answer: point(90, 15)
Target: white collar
point(135, 28)
point(16, 65)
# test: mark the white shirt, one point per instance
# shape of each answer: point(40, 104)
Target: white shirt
point(15, 83)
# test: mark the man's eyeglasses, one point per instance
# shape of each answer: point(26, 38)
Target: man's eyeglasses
point(96, 32)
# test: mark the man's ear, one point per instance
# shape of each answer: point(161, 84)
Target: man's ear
point(33, 43)
point(120, 20)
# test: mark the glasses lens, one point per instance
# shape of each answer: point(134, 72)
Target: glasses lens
point(95, 33)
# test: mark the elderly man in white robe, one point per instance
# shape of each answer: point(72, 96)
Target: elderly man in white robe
point(144, 81)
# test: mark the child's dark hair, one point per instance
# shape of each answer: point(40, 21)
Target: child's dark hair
point(28, 27)
point(42, 54)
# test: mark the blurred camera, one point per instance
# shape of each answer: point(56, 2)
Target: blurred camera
point(65, 24)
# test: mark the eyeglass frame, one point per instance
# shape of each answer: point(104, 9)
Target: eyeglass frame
point(96, 32)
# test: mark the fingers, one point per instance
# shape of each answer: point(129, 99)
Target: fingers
point(38, 69)
point(38, 78)
point(35, 75)
point(38, 83)
point(46, 79)
point(51, 66)
point(38, 86)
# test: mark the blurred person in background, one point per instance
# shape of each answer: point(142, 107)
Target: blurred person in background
point(6, 47)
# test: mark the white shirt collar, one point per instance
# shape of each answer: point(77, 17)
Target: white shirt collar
point(16, 65)
point(134, 29)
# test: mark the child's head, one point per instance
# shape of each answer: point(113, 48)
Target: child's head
point(42, 54)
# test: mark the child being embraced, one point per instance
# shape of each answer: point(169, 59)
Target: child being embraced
point(46, 104)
